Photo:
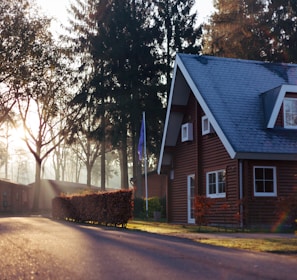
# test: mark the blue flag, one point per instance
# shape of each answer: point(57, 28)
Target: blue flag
point(141, 140)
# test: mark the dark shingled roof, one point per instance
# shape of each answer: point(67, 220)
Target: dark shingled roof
point(238, 96)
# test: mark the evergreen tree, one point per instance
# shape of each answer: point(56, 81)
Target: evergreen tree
point(235, 30)
point(122, 73)
point(281, 31)
point(262, 30)
point(179, 33)
point(91, 79)
point(125, 41)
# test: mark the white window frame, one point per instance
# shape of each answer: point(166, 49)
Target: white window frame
point(187, 132)
point(205, 125)
point(288, 108)
point(265, 194)
point(217, 194)
point(191, 198)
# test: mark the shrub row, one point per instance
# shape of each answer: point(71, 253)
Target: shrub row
point(105, 208)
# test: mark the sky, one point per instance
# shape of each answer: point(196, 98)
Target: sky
point(58, 9)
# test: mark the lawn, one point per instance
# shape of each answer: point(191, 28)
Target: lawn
point(287, 246)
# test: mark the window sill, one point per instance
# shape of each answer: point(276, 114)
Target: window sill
point(216, 195)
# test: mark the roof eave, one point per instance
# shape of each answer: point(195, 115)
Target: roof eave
point(266, 156)
point(167, 117)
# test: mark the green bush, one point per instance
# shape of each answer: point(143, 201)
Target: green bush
point(154, 205)
point(139, 208)
point(163, 206)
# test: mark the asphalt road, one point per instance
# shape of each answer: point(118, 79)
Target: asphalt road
point(41, 248)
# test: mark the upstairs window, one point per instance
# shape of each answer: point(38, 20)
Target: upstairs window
point(206, 125)
point(264, 181)
point(290, 113)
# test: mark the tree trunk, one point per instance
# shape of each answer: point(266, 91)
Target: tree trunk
point(35, 207)
point(89, 174)
point(77, 170)
point(137, 169)
point(103, 148)
point(124, 164)
point(139, 192)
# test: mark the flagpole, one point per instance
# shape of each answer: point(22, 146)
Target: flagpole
point(145, 164)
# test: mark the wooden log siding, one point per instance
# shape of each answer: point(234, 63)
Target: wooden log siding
point(261, 211)
point(215, 157)
point(203, 154)
point(184, 164)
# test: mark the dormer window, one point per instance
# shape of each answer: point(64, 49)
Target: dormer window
point(290, 113)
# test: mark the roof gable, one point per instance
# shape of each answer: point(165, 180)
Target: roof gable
point(273, 100)
point(241, 99)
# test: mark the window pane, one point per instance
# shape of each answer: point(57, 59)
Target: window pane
point(221, 187)
point(259, 186)
point(192, 207)
point(290, 112)
point(221, 177)
point(269, 186)
point(192, 192)
point(294, 113)
point(259, 173)
point(212, 188)
point(269, 174)
point(212, 183)
point(212, 178)
point(221, 182)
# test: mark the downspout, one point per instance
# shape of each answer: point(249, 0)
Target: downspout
point(241, 192)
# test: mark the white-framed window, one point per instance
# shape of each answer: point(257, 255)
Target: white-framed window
point(187, 132)
point(205, 124)
point(290, 113)
point(216, 184)
point(264, 181)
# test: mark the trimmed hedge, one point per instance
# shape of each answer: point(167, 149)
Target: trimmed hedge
point(105, 208)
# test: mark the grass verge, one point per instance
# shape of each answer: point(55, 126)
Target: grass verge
point(286, 246)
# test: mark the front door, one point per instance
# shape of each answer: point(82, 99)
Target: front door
point(191, 198)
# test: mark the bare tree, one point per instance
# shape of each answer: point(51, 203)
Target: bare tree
point(44, 109)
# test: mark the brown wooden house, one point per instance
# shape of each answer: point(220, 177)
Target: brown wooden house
point(230, 134)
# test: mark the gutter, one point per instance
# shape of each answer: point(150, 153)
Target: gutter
point(241, 191)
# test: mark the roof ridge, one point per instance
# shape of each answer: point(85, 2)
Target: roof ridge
point(243, 60)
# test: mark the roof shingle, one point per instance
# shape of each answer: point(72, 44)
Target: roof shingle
point(233, 91)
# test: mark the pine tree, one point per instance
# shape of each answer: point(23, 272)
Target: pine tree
point(235, 30)
point(177, 24)
point(281, 26)
point(123, 74)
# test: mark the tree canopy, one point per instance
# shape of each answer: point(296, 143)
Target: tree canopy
point(263, 30)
